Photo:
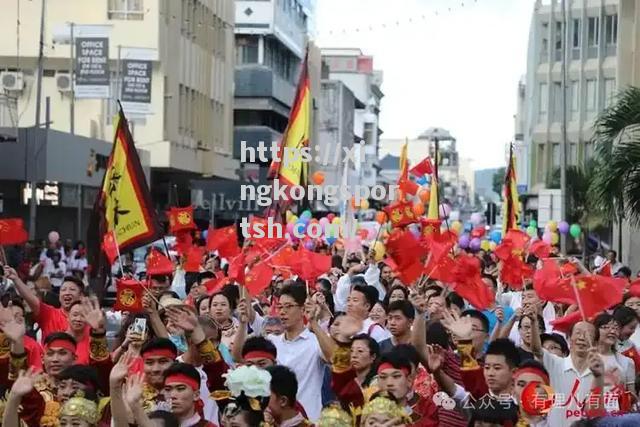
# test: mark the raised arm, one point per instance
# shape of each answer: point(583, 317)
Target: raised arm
point(327, 344)
point(23, 385)
point(134, 398)
point(419, 329)
point(536, 343)
point(505, 330)
point(151, 308)
point(241, 334)
point(117, 377)
point(27, 294)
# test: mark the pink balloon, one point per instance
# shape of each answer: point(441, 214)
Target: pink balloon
point(546, 237)
point(54, 236)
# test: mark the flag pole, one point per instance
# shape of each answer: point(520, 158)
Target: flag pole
point(115, 239)
point(579, 301)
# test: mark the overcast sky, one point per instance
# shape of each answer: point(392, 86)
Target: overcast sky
point(456, 69)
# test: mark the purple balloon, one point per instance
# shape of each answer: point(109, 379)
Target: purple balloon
point(463, 241)
point(546, 237)
point(475, 244)
point(563, 227)
point(309, 244)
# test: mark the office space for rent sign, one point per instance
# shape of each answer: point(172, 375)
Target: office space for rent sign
point(136, 85)
point(92, 67)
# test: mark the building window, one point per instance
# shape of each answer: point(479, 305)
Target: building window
point(588, 150)
point(593, 36)
point(540, 163)
point(247, 50)
point(557, 101)
point(544, 102)
point(609, 91)
point(544, 46)
point(573, 154)
point(611, 34)
point(126, 9)
point(559, 37)
point(555, 155)
point(591, 96)
point(575, 100)
point(576, 36)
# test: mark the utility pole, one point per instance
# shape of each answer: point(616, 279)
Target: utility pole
point(72, 104)
point(563, 149)
point(36, 130)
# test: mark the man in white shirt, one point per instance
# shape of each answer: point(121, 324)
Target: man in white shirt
point(55, 270)
point(360, 302)
point(527, 297)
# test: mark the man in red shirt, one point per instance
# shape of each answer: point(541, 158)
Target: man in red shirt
point(12, 325)
point(49, 318)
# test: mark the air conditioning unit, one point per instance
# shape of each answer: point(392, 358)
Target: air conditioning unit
point(12, 80)
point(63, 81)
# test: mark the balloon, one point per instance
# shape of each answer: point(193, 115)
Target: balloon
point(456, 226)
point(306, 214)
point(324, 222)
point(553, 226)
point(380, 250)
point(371, 233)
point(555, 238)
point(476, 218)
point(309, 244)
point(336, 220)
point(422, 180)
point(54, 237)
point(533, 223)
point(424, 195)
point(204, 234)
point(331, 216)
point(301, 225)
point(495, 236)
point(289, 228)
point(475, 244)
point(485, 245)
point(364, 204)
point(418, 209)
point(532, 231)
point(413, 228)
point(493, 246)
point(293, 219)
point(563, 227)
point(362, 233)
point(288, 215)
point(468, 226)
point(575, 231)
point(318, 178)
point(381, 217)
point(445, 210)
point(546, 237)
point(463, 241)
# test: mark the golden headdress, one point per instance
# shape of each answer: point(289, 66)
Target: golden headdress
point(80, 407)
point(335, 416)
point(382, 404)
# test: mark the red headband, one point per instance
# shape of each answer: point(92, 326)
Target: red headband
point(257, 354)
point(182, 379)
point(159, 352)
point(59, 343)
point(533, 370)
point(385, 366)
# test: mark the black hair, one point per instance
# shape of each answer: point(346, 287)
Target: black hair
point(325, 284)
point(437, 334)
point(336, 261)
point(626, 297)
point(59, 336)
point(504, 347)
point(400, 358)
point(476, 314)
point(403, 289)
point(73, 279)
point(403, 306)
point(374, 347)
point(624, 271)
point(358, 280)
point(229, 298)
point(540, 320)
point(172, 294)
point(611, 251)
point(183, 369)
point(489, 409)
point(454, 299)
point(190, 278)
point(168, 419)
point(533, 363)
point(284, 383)
point(162, 278)
point(157, 344)
point(370, 294)
point(257, 343)
point(296, 292)
point(601, 320)
point(202, 298)
point(494, 282)
point(625, 315)
point(233, 294)
point(18, 302)
point(128, 321)
point(556, 338)
point(84, 374)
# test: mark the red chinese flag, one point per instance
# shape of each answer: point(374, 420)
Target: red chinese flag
point(224, 240)
point(194, 259)
point(12, 232)
point(568, 269)
point(634, 288)
point(128, 296)
point(605, 270)
point(283, 258)
point(564, 323)
point(237, 268)
point(214, 285)
point(439, 265)
point(109, 246)
point(258, 279)
point(550, 286)
point(184, 242)
point(158, 263)
point(407, 186)
point(468, 282)
point(632, 353)
point(540, 249)
point(598, 293)
point(407, 252)
point(309, 265)
point(423, 168)
point(514, 272)
point(181, 219)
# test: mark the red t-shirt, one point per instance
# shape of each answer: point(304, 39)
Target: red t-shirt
point(34, 352)
point(51, 320)
point(82, 350)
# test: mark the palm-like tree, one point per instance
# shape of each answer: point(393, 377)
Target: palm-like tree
point(615, 185)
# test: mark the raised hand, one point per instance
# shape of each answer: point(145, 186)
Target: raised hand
point(595, 362)
point(243, 311)
point(133, 390)
point(518, 313)
point(458, 327)
point(418, 301)
point(499, 312)
point(11, 274)
point(121, 369)
point(93, 314)
point(435, 358)
point(25, 383)
point(149, 305)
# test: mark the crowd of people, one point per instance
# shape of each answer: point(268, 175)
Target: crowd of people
point(356, 347)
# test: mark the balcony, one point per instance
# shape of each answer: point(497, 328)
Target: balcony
point(253, 135)
point(258, 81)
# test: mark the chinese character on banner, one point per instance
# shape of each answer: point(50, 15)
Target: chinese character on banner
point(400, 214)
point(181, 219)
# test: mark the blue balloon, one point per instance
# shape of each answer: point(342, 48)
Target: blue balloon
point(496, 236)
point(331, 240)
point(306, 214)
point(422, 180)
point(204, 234)
point(468, 226)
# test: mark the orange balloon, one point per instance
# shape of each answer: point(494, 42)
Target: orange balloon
point(381, 217)
point(353, 203)
point(424, 195)
point(318, 177)
point(418, 209)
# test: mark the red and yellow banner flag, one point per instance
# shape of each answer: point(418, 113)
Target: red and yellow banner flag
point(124, 202)
point(292, 170)
point(511, 203)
